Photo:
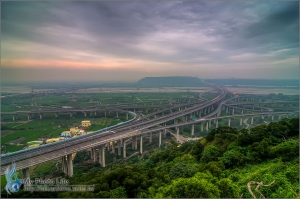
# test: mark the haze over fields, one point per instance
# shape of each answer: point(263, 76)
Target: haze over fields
point(126, 41)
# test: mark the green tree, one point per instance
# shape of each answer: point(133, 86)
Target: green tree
point(182, 170)
point(210, 153)
point(119, 192)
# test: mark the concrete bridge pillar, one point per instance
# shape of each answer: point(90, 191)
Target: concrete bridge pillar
point(177, 133)
point(13, 117)
point(179, 109)
point(251, 120)
point(193, 130)
point(124, 149)
point(117, 114)
point(71, 114)
point(175, 121)
point(104, 113)
point(84, 114)
point(242, 112)
point(126, 116)
point(102, 151)
point(207, 126)
point(272, 117)
point(204, 111)
point(134, 145)
point(217, 123)
point(241, 120)
point(229, 120)
point(150, 137)
point(202, 126)
point(212, 108)
point(227, 109)
point(113, 148)
point(200, 113)
point(262, 117)
point(28, 116)
point(41, 116)
point(25, 173)
point(279, 117)
point(56, 115)
point(64, 166)
point(100, 155)
point(94, 154)
point(159, 138)
point(141, 144)
point(232, 111)
point(119, 146)
point(70, 165)
point(186, 118)
point(108, 147)
point(287, 115)
point(165, 131)
point(208, 109)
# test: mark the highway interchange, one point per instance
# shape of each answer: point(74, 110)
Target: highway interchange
point(137, 127)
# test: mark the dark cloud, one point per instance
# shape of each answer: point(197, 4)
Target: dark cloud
point(192, 33)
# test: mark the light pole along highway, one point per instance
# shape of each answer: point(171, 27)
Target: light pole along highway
point(97, 141)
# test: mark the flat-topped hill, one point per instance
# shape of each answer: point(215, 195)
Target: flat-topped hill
point(171, 81)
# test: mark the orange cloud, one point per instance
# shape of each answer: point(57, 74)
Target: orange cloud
point(127, 64)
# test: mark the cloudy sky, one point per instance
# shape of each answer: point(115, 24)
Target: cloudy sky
point(101, 40)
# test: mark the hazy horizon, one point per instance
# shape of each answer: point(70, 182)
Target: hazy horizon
point(126, 41)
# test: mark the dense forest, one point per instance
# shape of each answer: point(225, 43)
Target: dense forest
point(220, 165)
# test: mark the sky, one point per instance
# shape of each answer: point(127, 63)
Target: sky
point(126, 41)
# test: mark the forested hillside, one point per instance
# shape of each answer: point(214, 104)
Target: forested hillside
point(220, 165)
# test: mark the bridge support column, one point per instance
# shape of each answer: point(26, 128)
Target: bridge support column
point(217, 123)
point(175, 121)
point(119, 146)
point(126, 116)
point(232, 111)
point(41, 116)
point(70, 165)
point(141, 144)
point(193, 129)
point(28, 116)
point(124, 149)
point(227, 109)
point(104, 113)
point(56, 114)
point(200, 113)
point(159, 138)
point(177, 133)
point(212, 108)
point(272, 117)
point(84, 114)
point(202, 126)
point(13, 118)
point(64, 166)
point(113, 148)
point(25, 173)
point(205, 111)
point(241, 120)
point(279, 117)
point(207, 126)
point(117, 115)
point(100, 155)
point(71, 115)
point(208, 109)
point(94, 154)
point(262, 117)
point(102, 152)
point(108, 147)
point(251, 120)
point(150, 137)
point(133, 142)
point(229, 120)
point(242, 112)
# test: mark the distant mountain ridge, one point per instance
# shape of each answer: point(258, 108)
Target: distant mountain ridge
point(171, 81)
